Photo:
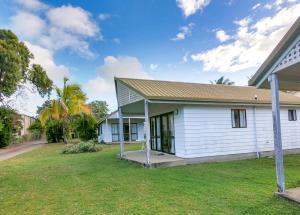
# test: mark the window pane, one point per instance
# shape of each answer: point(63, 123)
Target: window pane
point(243, 123)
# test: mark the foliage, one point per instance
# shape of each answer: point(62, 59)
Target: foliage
point(54, 131)
point(222, 80)
point(81, 147)
point(99, 109)
point(36, 129)
point(71, 101)
point(10, 124)
point(86, 127)
point(46, 104)
point(15, 68)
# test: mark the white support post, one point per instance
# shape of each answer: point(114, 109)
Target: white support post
point(121, 133)
point(106, 133)
point(129, 127)
point(147, 126)
point(277, 132)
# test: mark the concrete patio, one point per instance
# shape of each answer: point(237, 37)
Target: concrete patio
point(158, 159)
point(292, 194)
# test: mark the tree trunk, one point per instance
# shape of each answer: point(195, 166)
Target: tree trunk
point(65, 133)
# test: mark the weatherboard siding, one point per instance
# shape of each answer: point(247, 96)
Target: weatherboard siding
point(208, 131)
point(126, 96)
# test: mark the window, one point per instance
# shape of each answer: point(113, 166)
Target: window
point(134, 131)
point(238, 118)
point(101, 129)
point(115, 132)
point(292, 115)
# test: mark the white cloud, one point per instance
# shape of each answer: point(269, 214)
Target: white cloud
point(185, 31)
point(45, 58)
point(190, 7)
point(243, 22)
point(73, 20)
point(57, 39)
point(222, 36)
point(27, 24)
point(278, 4)
point(153, 66)
point(104, 16)
point(117, 40)
point(185, 58)
point(251, 44)
point(102, 87)
point(61, 27)
point(32, 4)
point(256, 6)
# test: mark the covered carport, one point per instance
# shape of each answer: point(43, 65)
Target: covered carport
point(281, 71)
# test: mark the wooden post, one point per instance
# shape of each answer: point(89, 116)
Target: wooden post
point(121, 133)
point(273, 79)
point(147, 126)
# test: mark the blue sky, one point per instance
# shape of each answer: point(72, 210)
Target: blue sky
point(183, 40)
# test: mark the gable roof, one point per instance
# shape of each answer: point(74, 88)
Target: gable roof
point(195, 92)
point(283, 44)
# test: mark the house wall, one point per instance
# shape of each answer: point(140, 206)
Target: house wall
point(207, 131)
point(107, 133)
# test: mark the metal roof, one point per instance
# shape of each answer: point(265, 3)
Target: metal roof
point(195, 92)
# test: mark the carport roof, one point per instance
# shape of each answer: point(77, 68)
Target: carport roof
point(259, 79)
point(195, 92)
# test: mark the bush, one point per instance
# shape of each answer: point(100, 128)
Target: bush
point(54, 131)
point(9, 125)
point(81, 147)
point(36, 130)
point(86, 127)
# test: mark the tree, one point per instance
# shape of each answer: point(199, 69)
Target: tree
point(15, 68)
point(99, 109)
point(222, 80)
point(46, 104)
point(10, 124)
point(70, 101)
point(86, 126)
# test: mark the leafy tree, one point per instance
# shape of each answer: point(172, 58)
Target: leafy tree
point(222, 80)
point(36, 129)
point(70, 101)
point(54, 131)
point(46, 104)
point(15, 68)
point(99, 109)
point(10, 124)
point(86, 126)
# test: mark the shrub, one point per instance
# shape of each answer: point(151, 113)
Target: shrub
point(9, 125)
point(36, 130)
point(81, 147)
point(86, 127)
point(54, 131)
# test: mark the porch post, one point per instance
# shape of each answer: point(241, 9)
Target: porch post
point(121, 133)
point(147, 125)
point(106, 133)
point(129, 127)
point(273, 79)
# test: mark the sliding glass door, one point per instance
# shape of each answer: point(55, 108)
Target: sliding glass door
point(162, 133)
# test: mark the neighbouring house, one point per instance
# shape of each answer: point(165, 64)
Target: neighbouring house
point(26, 122)
point(192, 120)
point(133, 126)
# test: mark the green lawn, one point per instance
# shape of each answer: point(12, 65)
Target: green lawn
point(46, 182)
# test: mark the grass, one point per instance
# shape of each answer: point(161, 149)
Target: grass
point(44, 181)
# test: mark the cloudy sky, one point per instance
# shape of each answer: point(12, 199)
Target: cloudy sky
point(91, 41)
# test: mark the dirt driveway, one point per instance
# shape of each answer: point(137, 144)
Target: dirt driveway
point(15, 150)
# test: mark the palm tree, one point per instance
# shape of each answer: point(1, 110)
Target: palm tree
point(222, 80)
point(71, 101)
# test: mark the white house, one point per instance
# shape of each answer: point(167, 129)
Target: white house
point(192, 120)
point(109, 128)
